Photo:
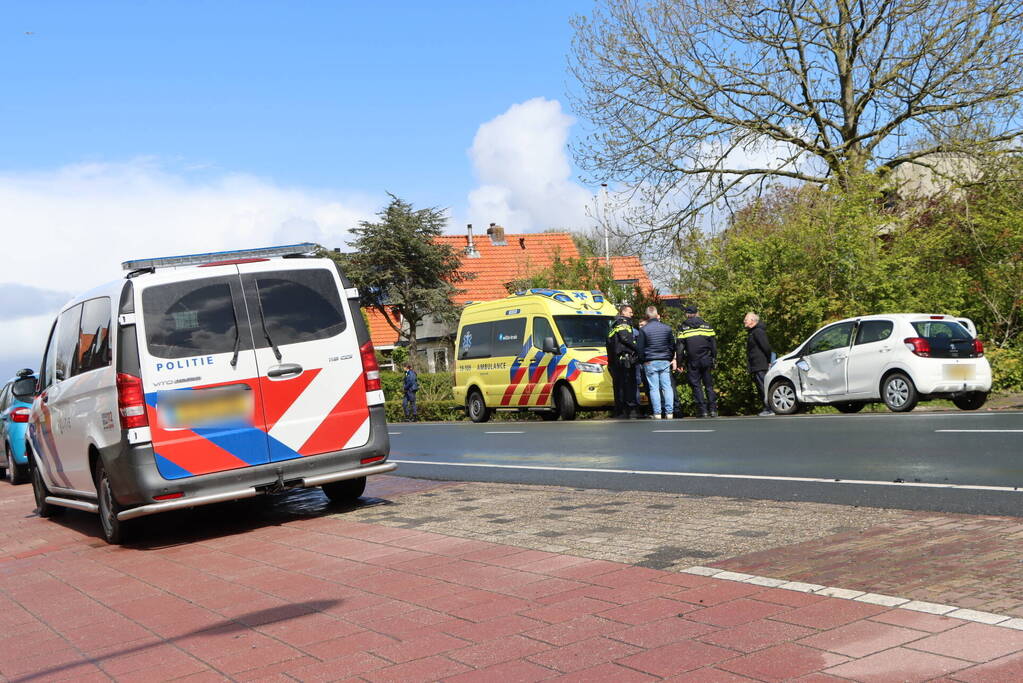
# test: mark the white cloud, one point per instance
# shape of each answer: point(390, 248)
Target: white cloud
point(68, 229)
point(521, 160)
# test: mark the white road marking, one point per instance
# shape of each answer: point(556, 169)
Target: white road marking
point(758, 477)
point(504, 432)
point(394, 433)
point(683, 431)
point(979, 431)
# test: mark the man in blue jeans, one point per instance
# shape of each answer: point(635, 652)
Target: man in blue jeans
point(658, 357)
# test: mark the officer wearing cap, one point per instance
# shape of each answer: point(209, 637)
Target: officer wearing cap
point(697, 351)
point(622, 359)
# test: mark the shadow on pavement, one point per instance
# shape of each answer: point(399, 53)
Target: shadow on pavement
point(182, 527)
point(243, 622)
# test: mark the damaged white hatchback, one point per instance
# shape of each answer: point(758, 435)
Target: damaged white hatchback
point(899, 359)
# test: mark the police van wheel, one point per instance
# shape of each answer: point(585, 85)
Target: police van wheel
point(565, 401)
point(114, 530)
point(40, 491)
point(477, 407)
point(346, 491)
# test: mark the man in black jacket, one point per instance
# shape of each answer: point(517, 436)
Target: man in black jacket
point(697, 350)
point(758, 355)
point(658, 356)
point(622, 357)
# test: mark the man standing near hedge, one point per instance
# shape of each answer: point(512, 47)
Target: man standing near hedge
point(622, 357)
point(697, 351)
point(408, 402)
point(758, 356)
point(658, 357)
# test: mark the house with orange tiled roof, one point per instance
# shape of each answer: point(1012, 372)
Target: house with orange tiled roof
point(493, 261)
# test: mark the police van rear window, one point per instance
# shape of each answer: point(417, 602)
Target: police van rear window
point(298, 306)
point(190, 318)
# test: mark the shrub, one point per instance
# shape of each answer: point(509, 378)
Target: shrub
point(429, 411)
point(1006, 368)
point(433, 386)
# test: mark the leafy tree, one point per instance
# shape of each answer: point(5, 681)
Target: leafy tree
point(692, 102)
point(397, 264)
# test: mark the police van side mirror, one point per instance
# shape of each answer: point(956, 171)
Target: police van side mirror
point(549, 346)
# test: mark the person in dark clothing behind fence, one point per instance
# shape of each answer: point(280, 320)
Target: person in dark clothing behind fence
point(622, 354)
point(658, 357)
point(697, 351)
point(408, 402)
point(758, 356)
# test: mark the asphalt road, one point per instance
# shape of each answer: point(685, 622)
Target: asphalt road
point(949, 462)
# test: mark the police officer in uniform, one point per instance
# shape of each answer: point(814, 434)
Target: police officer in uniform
point(697, 350)
point(622, 357)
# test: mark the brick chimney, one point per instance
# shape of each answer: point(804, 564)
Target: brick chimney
point(496, 233)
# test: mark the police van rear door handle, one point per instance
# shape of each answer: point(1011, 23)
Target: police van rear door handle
point(284, 370)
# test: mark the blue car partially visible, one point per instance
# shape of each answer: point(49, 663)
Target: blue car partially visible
point(15, 401)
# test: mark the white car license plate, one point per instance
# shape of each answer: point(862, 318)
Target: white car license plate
point(960, 372)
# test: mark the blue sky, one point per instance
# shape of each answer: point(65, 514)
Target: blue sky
point(137, 129)
point(319, 94)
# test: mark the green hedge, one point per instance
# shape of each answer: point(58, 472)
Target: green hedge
point(429, 411)
point(1006, 368)
point(433, 386)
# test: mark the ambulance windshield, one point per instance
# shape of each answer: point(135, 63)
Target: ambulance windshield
point(583, 330)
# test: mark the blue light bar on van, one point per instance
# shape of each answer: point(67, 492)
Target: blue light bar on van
point(214, 256)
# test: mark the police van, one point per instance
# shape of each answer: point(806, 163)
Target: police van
point(206, 378)
point(538, 350)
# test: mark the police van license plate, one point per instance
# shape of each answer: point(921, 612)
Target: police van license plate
point(217, 407)
point(964, 371)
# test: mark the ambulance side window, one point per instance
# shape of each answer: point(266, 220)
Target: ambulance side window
point(541, 330)
point(475, 341)
point(509, 336)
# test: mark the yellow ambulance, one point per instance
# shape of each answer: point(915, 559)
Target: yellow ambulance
point(540, 349)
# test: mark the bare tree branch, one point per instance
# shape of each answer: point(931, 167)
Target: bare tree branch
point(693, 102)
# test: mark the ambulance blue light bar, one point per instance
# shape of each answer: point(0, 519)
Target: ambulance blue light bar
point(215, 256)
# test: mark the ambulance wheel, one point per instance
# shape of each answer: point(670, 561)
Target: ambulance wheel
point(39, 489)
point(477, 407)
point(115, 531)
point(346, 491)
point(564, 399)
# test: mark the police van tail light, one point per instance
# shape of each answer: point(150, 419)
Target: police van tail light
point(978, 347)
point(918, 345)
point(131, 402)
point(19, 415)
point(370, 368)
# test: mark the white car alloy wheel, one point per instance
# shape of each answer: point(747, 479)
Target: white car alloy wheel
point(897, 392)
point(783, 398)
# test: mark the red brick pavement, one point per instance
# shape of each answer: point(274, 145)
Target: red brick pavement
point(963, 560)
point(316, 597)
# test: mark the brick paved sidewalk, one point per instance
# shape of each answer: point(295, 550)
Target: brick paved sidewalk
point(322, 597)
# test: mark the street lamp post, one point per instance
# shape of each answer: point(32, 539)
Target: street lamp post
point(603, 219)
